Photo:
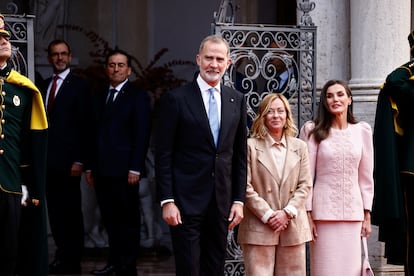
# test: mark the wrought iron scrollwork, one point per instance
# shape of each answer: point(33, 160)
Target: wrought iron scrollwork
point(12, 8)
point(21, 37)
point(270, 59)
point(234, 258)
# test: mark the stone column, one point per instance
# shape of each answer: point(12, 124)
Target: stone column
point(332, 21)
point(379, 31)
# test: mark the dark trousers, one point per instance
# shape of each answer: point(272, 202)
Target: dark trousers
point(407, 182)
point(119, 205)
point(64, 205)
point(199, 243)
point(10, 212)
point(33, 241)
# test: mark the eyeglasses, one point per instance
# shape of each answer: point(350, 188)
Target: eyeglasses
point(120, 65)
point(63, 54)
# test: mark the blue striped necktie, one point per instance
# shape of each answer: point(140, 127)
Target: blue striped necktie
point(213, 116)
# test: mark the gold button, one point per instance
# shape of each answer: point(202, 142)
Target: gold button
point(2, 136)
point(1, 152)
point(3, 121)
point(3, 93)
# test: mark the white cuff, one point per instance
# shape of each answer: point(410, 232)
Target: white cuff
point(291, 210)
point(166, 201)
point(267, 215)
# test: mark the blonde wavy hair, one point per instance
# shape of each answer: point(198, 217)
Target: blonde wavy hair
point(259, 129)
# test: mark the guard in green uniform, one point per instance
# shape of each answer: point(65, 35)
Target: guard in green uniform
point(22, 165)
point(393, 209)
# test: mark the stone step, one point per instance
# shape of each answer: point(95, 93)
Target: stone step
point(389, 270)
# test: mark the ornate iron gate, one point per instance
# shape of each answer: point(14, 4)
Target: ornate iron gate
point(22, 41)
point(269, 59)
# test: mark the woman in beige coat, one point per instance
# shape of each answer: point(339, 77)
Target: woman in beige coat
point(275, 227)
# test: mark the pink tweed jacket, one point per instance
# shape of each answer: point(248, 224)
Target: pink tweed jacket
point(342, 166)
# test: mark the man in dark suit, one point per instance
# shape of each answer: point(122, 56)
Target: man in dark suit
point(67, 103)
point(201, 169)
point(123, 121)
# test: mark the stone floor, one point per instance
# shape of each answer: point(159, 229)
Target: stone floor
point(150, 263)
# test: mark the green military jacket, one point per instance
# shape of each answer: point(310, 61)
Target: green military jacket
point(394, 155)
point(23, 139)
point(21, 115)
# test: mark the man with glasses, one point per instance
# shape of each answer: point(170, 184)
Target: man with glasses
point(67, 99)
point(123, 118)
point(23, 127)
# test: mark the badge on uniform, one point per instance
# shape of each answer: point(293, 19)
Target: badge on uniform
point(16, 100)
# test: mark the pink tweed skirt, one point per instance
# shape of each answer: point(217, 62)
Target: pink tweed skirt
point(337, 250)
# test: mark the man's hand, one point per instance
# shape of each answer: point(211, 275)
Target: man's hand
point(236, 215)
point(171, 214)
point(133, 178)
point(89, 178)
point(25, 195)
point(76, 169)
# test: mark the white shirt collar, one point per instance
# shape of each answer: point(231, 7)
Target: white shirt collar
point(204, 86)
point(64, 74)
point(119, 86)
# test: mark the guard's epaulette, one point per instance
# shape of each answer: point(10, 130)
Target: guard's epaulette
point(409, 66)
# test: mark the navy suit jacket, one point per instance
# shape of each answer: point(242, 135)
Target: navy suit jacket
point(69, 123)
point(122, 135)
point(189, 167)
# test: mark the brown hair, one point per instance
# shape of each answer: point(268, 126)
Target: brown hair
point(323, 119)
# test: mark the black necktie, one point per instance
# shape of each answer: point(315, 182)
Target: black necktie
point(110, 99)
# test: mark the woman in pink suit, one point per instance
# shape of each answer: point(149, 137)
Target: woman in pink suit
point(275, 228)
point(341, 158)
